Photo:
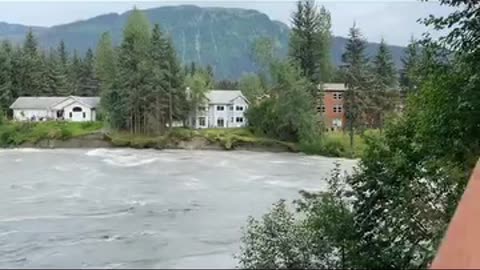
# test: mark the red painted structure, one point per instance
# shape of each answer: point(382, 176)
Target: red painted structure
point(460, 247)
point(333, 110)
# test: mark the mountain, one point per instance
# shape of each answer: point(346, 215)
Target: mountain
point(221, 37)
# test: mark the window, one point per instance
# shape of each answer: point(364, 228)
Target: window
point(220, 122)
point(201, 121)
point(231, 108)
point(322, 108)
point(239, 120)
point(231, 120)
point(337, 108)
point(239, 108)
point(77, 109)
point(202, 108)
point(220, 108)
point(70, 114)
point(340, 96)
point(334, 95)
point(84, 115)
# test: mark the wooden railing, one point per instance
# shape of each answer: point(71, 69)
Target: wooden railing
point(460, 247)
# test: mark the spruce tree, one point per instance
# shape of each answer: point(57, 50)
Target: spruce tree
point(357, 80)
point(73, 72)
point(106, 71)
point(410, 61)
point(160, 79)
point(88, 83)
point(30, 68)
point(310, 41)
point(56, 81)
point(326, 66)
point(383, 66)
point(6, 70)
point(384, 80)
point(135, 70)
point(62, 54)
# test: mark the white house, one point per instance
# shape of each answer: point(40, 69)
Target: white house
point(224, 109)
point(72, 108)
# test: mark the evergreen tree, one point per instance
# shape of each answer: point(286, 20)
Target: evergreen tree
point(74, 69)
point(179, 105)
point(310, 41)
point(160, 80)
point(327, 69)
point(410, 60)
point(383, 66)
point(6, 72)
point(384, 79)
point(62, 54)
point(88, 83)
point(56, 81)
point(134, 73)
point(357, 80)
point(106, 70)
point(30, 68)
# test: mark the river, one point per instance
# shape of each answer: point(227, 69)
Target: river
point(123, 208)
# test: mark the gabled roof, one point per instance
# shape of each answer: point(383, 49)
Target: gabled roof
point(44, 103)
point(224, 96)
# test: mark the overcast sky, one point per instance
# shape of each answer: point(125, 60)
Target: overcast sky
point(393, 20)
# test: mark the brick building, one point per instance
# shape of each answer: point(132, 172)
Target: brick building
point(332, 109)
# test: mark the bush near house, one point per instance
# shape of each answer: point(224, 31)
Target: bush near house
point(17, 133)
point(337, 144)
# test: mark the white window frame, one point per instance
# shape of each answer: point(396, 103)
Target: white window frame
point(220, 106)
point(239, 108)
point(239, 118)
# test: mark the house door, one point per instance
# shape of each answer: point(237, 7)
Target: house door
point(220, 122)
point(78, 114)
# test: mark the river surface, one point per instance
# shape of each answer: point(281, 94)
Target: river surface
point(140, 208)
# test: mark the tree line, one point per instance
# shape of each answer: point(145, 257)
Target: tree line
point(141, 82)
point(26, 70)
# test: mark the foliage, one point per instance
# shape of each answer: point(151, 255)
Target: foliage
point(310, 41)
point(251, 87)
point(288, 114)
point(336, 144)
point(319, 235)
point(17, 133)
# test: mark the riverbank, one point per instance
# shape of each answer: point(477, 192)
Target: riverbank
point(91, 135)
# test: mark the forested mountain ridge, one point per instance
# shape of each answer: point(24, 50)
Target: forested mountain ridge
point(220, 37)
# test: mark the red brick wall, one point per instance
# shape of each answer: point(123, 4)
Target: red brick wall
point(329, 102)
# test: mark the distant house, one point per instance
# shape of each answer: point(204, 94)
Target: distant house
point(72, 108)
point(332, 107)
point(223, 109)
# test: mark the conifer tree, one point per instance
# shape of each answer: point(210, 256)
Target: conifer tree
point(88, 83)
point(30, 68)
point(410, 60)
point(6, 72)
point(383, 66)
point(310, 41)
point(106, 70)
point(56, 81)
point(357, 80)
point(135, 70)
point(73, 73)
